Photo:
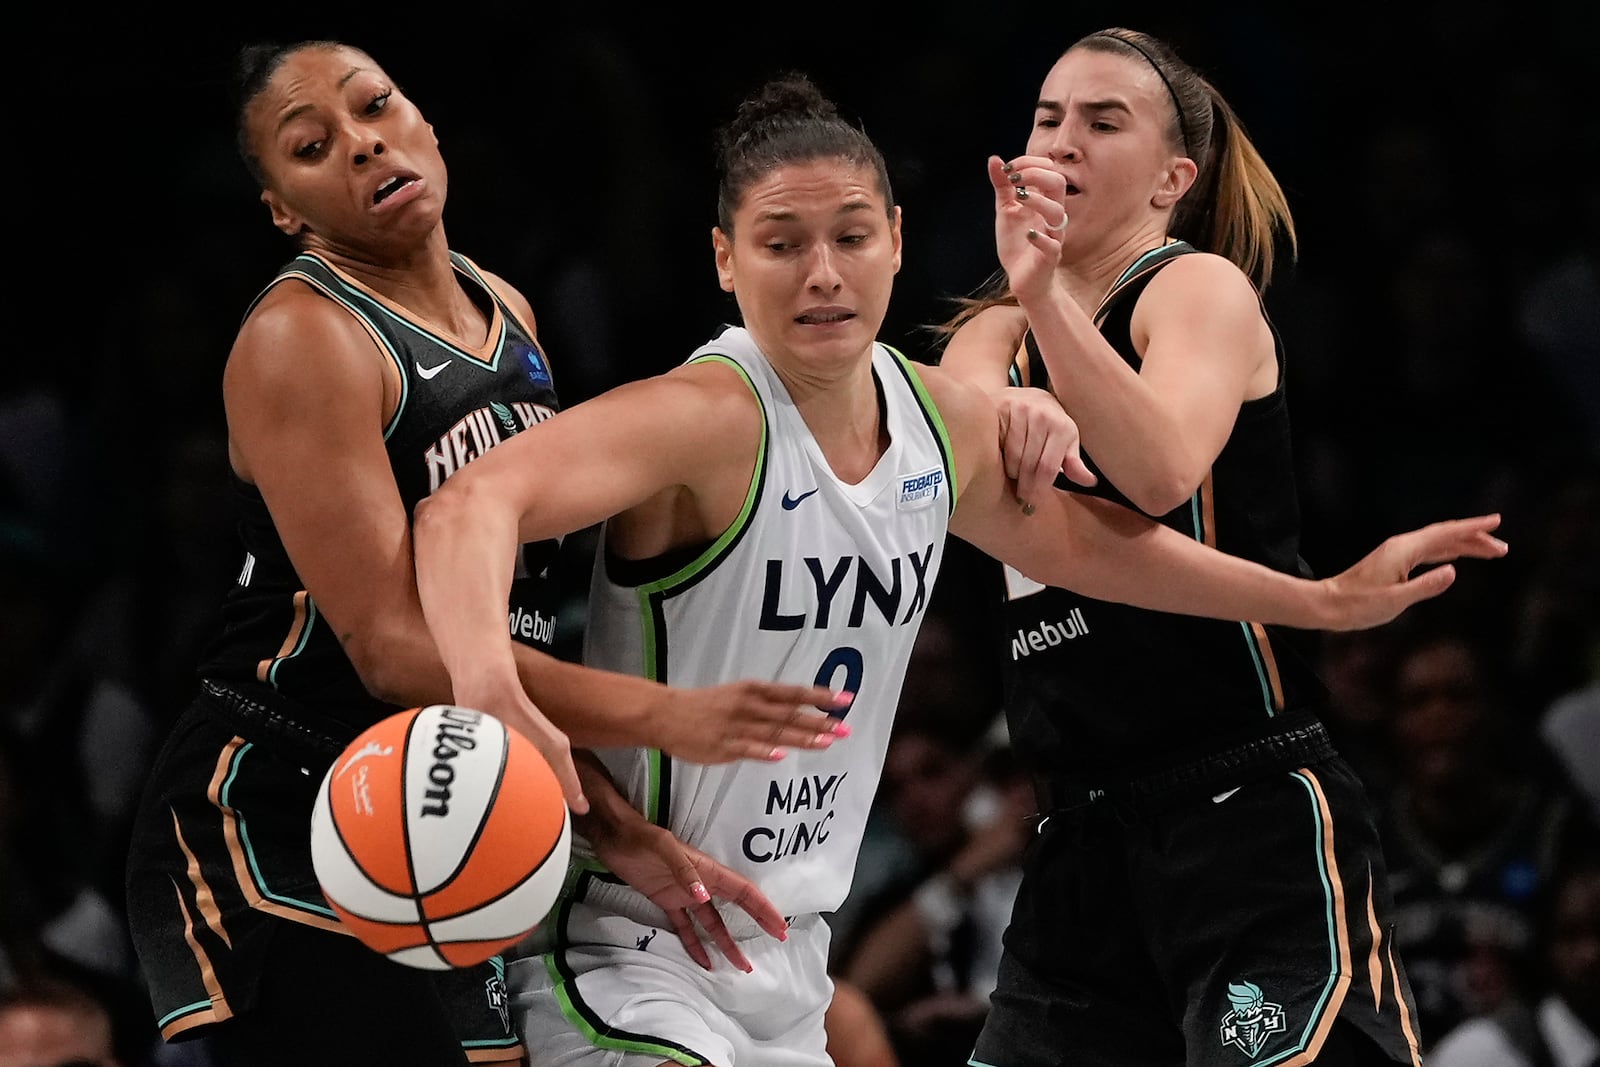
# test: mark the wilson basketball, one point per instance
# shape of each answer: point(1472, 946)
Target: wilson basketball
point(440, 837)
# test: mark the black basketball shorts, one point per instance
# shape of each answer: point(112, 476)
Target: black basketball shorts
point(233, 933)
point(1243, 928)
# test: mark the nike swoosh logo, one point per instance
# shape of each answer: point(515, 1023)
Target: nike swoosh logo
point(1220, 797)
point(792, 502)
point(429, 372)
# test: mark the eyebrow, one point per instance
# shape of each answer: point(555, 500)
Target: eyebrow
point(773, 215)
point(295, 113)
point(1092, 105)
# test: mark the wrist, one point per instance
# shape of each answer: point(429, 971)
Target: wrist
point(1324, 609)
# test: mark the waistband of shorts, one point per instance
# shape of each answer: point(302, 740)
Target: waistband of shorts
point(1298, 738)
point(276, 722)
point(622, 899)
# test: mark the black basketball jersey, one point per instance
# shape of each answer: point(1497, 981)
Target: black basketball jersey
point(1093, 686)
point(455, 404)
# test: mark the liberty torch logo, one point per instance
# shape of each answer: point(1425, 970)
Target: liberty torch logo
point(1252, 1020)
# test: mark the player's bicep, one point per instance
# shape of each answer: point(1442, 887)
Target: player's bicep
point(1206, 349)
point(983, 349)
point(305, 403)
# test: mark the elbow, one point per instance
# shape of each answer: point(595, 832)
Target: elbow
point(1161, 491)
point(440, 508)
point(386, 665)
point(1158, 500)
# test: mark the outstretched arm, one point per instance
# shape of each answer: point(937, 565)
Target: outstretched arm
point(1113, 553)
point(684, 434)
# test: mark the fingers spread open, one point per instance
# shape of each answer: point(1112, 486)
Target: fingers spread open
point(689, 937)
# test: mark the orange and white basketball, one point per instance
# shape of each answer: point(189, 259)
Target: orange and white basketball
point(440, 837)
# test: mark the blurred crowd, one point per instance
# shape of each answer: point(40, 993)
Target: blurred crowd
point(1443, 330)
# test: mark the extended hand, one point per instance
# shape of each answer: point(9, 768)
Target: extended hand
point(749, 720)
point(683, 882)
point(511, 706)
point(1381, 586)
point(1039, 440)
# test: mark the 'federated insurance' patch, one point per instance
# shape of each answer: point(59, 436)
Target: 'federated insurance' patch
point(920, 489)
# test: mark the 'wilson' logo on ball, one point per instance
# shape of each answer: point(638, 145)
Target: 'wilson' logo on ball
point(455, 735)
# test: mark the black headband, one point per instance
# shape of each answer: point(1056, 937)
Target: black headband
point(1183, 127)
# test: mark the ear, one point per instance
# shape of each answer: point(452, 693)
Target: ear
point(894, 236)
point(282, 217)
point(722, 246)
point(1175, 181)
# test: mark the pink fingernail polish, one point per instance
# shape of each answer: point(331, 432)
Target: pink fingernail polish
point(841, 729)
point(698, 891)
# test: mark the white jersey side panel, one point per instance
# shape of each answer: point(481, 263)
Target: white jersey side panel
point(819, 581)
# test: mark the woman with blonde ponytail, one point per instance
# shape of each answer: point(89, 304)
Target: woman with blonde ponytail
point(1207, 886)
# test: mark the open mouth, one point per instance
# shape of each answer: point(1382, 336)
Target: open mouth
point(391, 186)
point(823, 318)
point(1072, 190)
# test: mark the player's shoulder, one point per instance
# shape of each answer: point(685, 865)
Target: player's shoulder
point(295, 332)
point(956, 400)
point(712, 384)
point(1203, 275)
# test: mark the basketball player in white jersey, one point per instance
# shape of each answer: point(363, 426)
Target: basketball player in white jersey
point(778, 506)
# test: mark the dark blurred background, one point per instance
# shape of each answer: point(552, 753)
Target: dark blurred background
point(1443, 328)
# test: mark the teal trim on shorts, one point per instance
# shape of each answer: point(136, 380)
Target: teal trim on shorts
point(250, 855)
point(187, 1009)
point(1313, 789)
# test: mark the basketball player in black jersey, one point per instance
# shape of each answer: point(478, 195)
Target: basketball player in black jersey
point(374, 366)
point(1207, 886)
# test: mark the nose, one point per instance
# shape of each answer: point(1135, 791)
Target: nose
point(1064, 151)
point(1063, 144)
point(368, 152)
point(822, 275)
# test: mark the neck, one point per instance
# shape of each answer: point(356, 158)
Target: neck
point(1089, 275)
point(841, 410)
point(421, 280)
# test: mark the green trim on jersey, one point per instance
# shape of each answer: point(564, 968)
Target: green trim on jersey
point(930, 412)
point(653, 595)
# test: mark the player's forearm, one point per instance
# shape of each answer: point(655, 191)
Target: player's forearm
point(1118, 555)
point(592, 706)
point(609, 812)
point(465, 550)
point(1110, 403)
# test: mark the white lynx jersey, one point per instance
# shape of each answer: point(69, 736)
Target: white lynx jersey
point(817, 580)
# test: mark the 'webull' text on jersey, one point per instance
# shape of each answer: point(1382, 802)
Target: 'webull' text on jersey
point(817, 581)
